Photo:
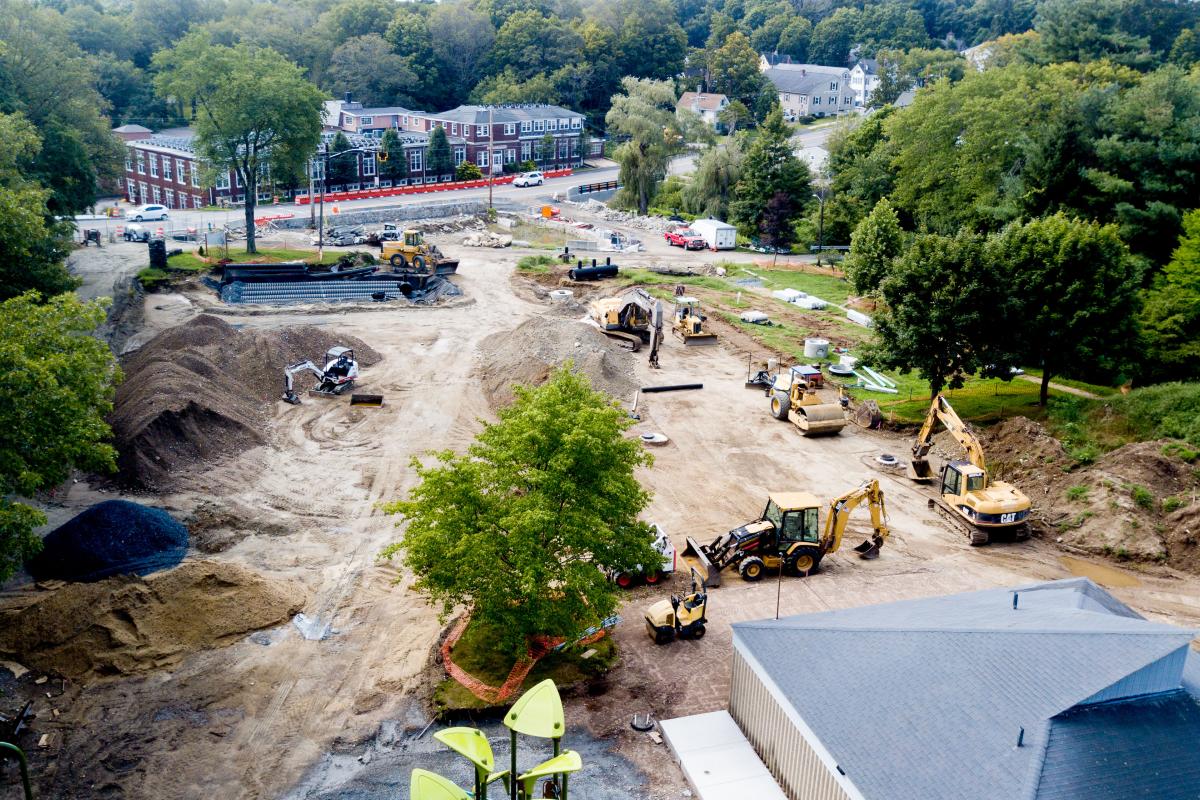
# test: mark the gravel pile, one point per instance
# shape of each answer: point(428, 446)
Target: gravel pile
point(111, 538)
point(628, 218)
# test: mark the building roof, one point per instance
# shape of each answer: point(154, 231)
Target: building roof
point(182, 143)
point(819, 69)
point(906, 98)
point(704, 101)
point(928, 699)
point(379, 111)
point(789, 78)
point(131, 129)
point(478, 115)
point(868, 65)
point(775, 58)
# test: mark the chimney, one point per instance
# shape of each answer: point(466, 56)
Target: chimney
point(349, 95)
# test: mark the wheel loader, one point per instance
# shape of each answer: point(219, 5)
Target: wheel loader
point(966, 490)
point(795, 398)
point(788, 536)
point(688, 323)
point(413, 254)
point(679, 617)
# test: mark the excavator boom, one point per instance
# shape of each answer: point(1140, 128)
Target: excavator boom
point(941, 410)
point(839, 515)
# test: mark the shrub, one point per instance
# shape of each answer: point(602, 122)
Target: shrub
point(1142, 497)
point(1172, 504)
point(1078, 493)
point(535, 264)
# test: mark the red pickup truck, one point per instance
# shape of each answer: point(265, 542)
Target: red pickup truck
point(685, 238)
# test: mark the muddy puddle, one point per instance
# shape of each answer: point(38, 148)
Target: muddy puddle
point(1102, 574)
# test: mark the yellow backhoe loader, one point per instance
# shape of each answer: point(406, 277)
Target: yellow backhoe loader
point(414, 254)
point(793, 397)
point(788, 535)
point(966, 491)
point(689, 323)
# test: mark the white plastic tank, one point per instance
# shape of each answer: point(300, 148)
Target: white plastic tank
point(816, 348)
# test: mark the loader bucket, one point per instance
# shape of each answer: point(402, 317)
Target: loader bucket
point(710, 575)
point(700, 340)
point(868, 550)
point(825, 419)
point(920, 471)
point(367, 400)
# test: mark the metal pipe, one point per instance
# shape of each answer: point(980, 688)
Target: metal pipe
point(512, 753)
point(12, 751)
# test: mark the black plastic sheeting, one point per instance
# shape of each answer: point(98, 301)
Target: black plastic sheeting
point(115, 537)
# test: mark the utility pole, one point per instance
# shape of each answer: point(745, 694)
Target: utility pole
point(312, 207)
point(820, 197)
point(491, 155)
point(324, 153)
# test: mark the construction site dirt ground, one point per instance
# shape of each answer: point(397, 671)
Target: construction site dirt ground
point(337, 714)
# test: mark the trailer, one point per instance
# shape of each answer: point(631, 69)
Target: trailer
point(717, 235)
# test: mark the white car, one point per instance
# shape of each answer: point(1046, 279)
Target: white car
point(529, 179)
point(148, 212)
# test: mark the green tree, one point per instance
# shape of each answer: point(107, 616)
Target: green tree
point(650, 43)
point(529, 43)
point(440, 160)
point(340, 169)
point(645, 116)
point(461, 38)
point(771, 174)
point(733, 70)
point(58, 387)
point(367, 67)
point(732, 114)
point(466, 171)
point(506, 88)
point(1185, 51)
point(253, 109)
point(833, 36)
point(520, 527)
point(717, 174)
point(947, 311)
point(545, 149)
point(794, 39)
point(1088, 30)
point(393, 161)
point(1171, 318)
point(874, 245)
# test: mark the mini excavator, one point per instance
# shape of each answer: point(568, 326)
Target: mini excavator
point(634, 318)
point(789, 536)
point(341, 370)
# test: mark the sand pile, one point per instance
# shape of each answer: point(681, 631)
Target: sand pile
point(529, 353)
point(201, 390)
point(110, 538)
point(126, 625)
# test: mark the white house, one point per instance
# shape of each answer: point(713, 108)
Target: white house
point(706, 104)
point(864, 79)
point(812, 90)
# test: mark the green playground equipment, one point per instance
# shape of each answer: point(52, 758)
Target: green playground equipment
point(537, 713)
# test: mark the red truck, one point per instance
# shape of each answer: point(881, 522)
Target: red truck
point(685, 238)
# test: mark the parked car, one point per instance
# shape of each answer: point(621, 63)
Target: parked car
point(759, 247)
point(341, 237)
point(148, 212)
point(685, 238)
point(529, 179)
point(136, 233)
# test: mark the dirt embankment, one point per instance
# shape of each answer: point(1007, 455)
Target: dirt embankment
point(201, 390)
point(125, 625)
point(1137, 502)
point(537, 347)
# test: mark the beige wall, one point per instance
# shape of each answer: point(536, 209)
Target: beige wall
point(800, 771)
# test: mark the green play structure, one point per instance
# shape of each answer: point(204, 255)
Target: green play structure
point(537, 713)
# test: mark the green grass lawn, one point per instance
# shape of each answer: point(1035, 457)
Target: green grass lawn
point(826, 287)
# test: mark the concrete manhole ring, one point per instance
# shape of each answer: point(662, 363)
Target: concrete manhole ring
point(888, 460)
point(654, 439)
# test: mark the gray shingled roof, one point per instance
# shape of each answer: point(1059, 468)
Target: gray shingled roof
point(926, 699)
point(478, 115)
point(795, 81)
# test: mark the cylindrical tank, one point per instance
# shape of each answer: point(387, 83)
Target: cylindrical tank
point(816, 348)
point(593, 273)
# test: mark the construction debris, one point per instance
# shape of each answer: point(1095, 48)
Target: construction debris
point(628, 218)
point(487, 239)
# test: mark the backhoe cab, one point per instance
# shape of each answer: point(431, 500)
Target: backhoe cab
point(965, 486)
point(789, 536)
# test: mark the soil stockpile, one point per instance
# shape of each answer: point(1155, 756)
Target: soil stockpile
point(537, 347)
point(202, 389)
point(111, 538)
point(125, 625)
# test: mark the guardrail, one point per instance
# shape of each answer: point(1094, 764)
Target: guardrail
point(588, 188)
point(396, 191)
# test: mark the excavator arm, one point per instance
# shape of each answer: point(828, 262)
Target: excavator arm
point(839, 516)
point(941, 410)
point(289, 373)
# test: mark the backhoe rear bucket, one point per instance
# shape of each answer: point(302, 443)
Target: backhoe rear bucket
point(920, 471)
point(710, 575)
point(868, 550)
point(368, 400)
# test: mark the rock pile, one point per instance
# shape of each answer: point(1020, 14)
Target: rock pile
point(486, 238)
point(116, 537)
point(628, 218)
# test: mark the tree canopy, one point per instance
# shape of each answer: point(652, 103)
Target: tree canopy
point(1172, 313)
point(774, 185)
point(645, 115)
point(521, 526)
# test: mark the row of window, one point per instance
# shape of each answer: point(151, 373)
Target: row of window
point(141, 193)
point(816, 101)
point(177, 174)
point(510, 128)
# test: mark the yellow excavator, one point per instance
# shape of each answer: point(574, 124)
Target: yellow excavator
point(632, 318)
point(985, 505)
point(788, 535)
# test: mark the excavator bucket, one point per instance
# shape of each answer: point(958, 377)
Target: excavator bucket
point(868, 550)
point(920, 471)
point(367, 400)
point(709, 574)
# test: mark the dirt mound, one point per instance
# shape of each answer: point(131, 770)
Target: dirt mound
point(110, 538)
point(1018, 445)
point(530, 352)
point(200, 390)
point(127, 625)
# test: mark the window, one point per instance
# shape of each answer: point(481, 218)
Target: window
point(156, 193)
point(816, 101)
point(975, 483)
point(195, 174)
point(787, 98)
point(128, 161)
point(141, 163)
point(576, 124)
point(222, 181)
point(481, 158)
point(153, 166)
point(539, 125)
point(167, 169)
point(131, 190)
point(179, 165)
point(551, 124)
point(510, 156)
point(143, 192)
point(460, 155)
point(368, 165)
point(833, 86)
point(454, 128)
point(526, 150)
point(950, 480)
point(365, 121)
point(170, 199)
point(481, 130)
point(847, 100)
point(414, 160)
point(510, 128)
point(564, 124)
point(526, 126)
point(833, 100)
point(197, 202)
point(562, 148)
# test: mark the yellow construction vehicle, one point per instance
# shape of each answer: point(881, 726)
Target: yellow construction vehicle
point(632, 318)
point(794, 397)
point(414, 254)
point(676, 616)
point(966, 491)
point(689, 323)
point(788, 535)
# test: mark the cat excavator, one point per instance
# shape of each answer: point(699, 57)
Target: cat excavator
point(341, 370)
point(788, 535)
point(634, 318)
point(966, 491)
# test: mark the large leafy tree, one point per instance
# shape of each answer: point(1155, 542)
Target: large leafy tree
point(520, 527)
point(393, 161)
point(733, 70)
point(711, 188)
point(1171, 317)
point(645, 117)
point(1075, 290)
point(253, 109)
point(440, 161)
point(1088, 30)
point(772, 177)
point(367, 67)
point(341, 165)
point(461, 39)
point(57, 389)
point(874, 245)
point(529, 43)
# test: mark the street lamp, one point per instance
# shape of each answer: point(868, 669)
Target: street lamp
point(323, 152)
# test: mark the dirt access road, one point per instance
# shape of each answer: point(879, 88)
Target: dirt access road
point(264, 717)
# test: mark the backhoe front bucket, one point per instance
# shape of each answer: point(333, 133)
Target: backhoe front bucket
point(920, 471)
point(699, 339)
point(710, 575)
point(868, 550)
